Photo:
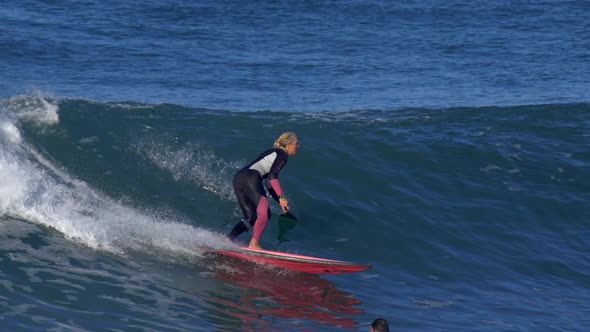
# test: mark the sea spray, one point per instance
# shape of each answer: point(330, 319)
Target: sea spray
point(35, 189)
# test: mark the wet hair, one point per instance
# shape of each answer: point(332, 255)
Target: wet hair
point(380, 325)
point(284, 140)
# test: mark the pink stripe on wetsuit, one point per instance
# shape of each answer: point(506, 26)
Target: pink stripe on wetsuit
point(262, 210)
point(261, 219)
point(276, 186)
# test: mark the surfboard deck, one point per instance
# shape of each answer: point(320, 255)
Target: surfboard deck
point(301, 263)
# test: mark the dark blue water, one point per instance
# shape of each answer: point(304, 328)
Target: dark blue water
point(445, 143)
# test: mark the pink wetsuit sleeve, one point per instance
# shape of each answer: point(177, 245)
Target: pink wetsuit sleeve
point(276, 186)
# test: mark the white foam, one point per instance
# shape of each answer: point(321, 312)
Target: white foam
point(38, 109)
point(10, 132)
point(82, 214)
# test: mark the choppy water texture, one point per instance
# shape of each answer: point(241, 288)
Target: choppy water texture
point(445, 143)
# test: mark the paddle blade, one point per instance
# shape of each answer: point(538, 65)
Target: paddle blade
point(287, 222)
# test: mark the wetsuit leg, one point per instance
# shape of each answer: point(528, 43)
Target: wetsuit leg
point(262, 217)
point(248, 189)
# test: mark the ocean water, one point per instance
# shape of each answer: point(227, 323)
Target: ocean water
point(446, 143)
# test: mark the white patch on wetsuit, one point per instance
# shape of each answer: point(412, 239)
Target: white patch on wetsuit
point(263, 165)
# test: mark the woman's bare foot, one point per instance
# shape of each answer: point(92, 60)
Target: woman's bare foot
point(254, 244)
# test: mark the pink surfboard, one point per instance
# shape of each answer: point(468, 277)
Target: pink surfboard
point(294, 262)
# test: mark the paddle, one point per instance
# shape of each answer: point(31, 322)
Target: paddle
point(287, 222)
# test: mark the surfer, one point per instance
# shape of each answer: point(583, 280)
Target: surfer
point(379, 325)
point(248, 186)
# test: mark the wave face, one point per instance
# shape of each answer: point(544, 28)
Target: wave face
point(462, 211)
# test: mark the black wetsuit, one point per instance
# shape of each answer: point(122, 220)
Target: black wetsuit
point(250, 192)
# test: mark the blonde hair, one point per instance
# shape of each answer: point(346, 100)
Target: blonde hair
point(284, 140)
